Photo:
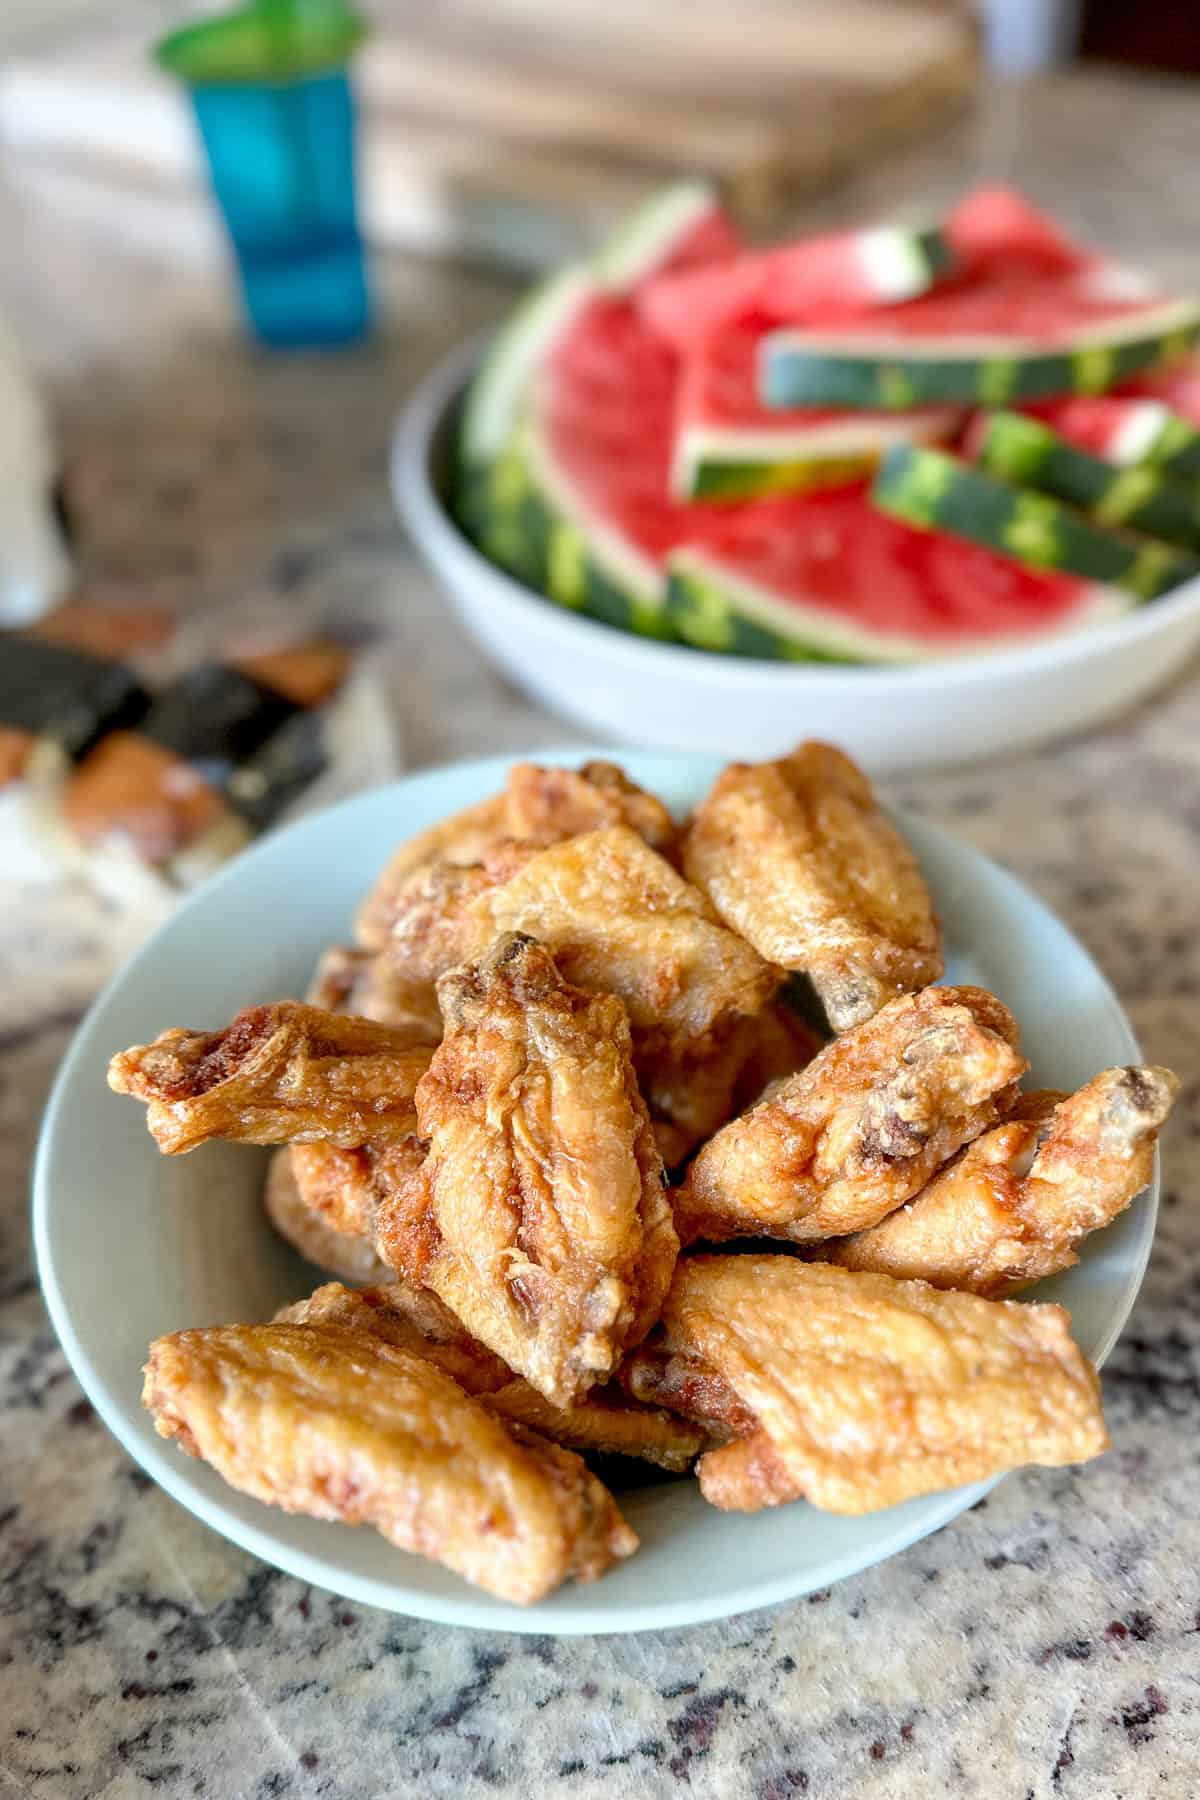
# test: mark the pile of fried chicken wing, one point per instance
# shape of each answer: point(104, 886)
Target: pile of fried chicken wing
point(592, 1186)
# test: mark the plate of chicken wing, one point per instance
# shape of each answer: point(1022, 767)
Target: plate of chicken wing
point(581, 1196)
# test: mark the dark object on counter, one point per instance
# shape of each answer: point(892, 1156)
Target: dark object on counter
point(65, 697)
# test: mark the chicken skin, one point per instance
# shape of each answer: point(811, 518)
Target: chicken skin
point(858, 1132)
point(552, 1238)
point(416, 1320)
point(855, 1391)
point(797, 857)
point(1014, 1206)
point(342, 1425)
point(283, 1073)
point(309, 1227)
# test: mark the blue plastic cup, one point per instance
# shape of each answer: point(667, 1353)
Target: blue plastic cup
point(279, 134)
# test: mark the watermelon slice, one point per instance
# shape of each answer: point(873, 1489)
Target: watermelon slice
point(812, 277)
point(679, 228)
point(729, 446)
point(1128, 429)
point(937, 492)
point(827, 577)
point(1029, 452)
point(1028, 314)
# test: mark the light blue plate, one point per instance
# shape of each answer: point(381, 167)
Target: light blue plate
point(132, 1244)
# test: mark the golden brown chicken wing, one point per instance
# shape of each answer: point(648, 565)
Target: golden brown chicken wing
point(553, 1240)
point(309, 1230)
point(354, 981)
point(855, 1391)
point(1014, 1206)
point(342, 1425)
point(618, 919)
point(860, 1130)
point(546, 804)
point(797, 856)
point(538, 804)
point(414, 1319)
point(283, 1073)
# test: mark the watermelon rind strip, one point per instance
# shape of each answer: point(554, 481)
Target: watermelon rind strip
point(1026, 451)
point(901, 265)
point(895, 374)
point(1151, 433)
point(497, 392)
point(716, 608)
point(721, 462)
point(936, 492)
point(645, 241)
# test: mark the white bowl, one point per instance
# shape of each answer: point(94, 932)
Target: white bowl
point(131, 1244)
point(677, 698)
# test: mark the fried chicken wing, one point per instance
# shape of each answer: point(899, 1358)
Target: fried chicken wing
point(354, 981)
point(855, 1391)
point(1014, 1206)
point(538, 804)
point(414, 1319)
point(859, 1131)
point(546, 804)
point(797, 857)
point(278, 1074)
point(554, 1242)
point(350, 1254)
point(343, 1425)
point(618, 919)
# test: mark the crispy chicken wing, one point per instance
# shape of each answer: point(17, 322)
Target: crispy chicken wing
point(553, 1236)
point(414, 1319)
point(797, 856)
point(546, 804)
point(311, 1230)
point(343, 1425)
point(862, 1128)
point(855, 1391)
point(539, 804)
point(278, 1074)
point(1014, 1206)
point(618, 919)
point(354, 981)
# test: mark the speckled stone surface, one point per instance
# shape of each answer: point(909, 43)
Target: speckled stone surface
point(1046, 1645)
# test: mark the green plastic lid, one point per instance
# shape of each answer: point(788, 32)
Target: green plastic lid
point(273, 40)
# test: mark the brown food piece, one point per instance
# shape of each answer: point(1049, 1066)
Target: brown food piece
point(15, 749)
point(554, 1236)
point(855, 1391)
point(342, 1425)
point(131, 790)
point(859, 1131)
point(354, 981)
point(1014, 1206)
point(115, 629)
point(305, 674)
point(618, 919)
point(539, 805)
point(282, 1073)
point(548, 804)
point(603, 1421)
point(797, 857)
point(310, 1231)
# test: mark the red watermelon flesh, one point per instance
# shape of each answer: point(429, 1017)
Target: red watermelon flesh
point(1093, 421)
point(836, 552)
point(998, 223)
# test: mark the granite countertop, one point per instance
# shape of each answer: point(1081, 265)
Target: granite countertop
point(1045, 1645)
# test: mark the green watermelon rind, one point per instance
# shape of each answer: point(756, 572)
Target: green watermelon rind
point(643, 242)
point(745, 463)
point(936, 492)
point(497, 391)
point(526, 516)
point(1151, 433)
point(1028, 452)
point(716, 608)
point(896, 374)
